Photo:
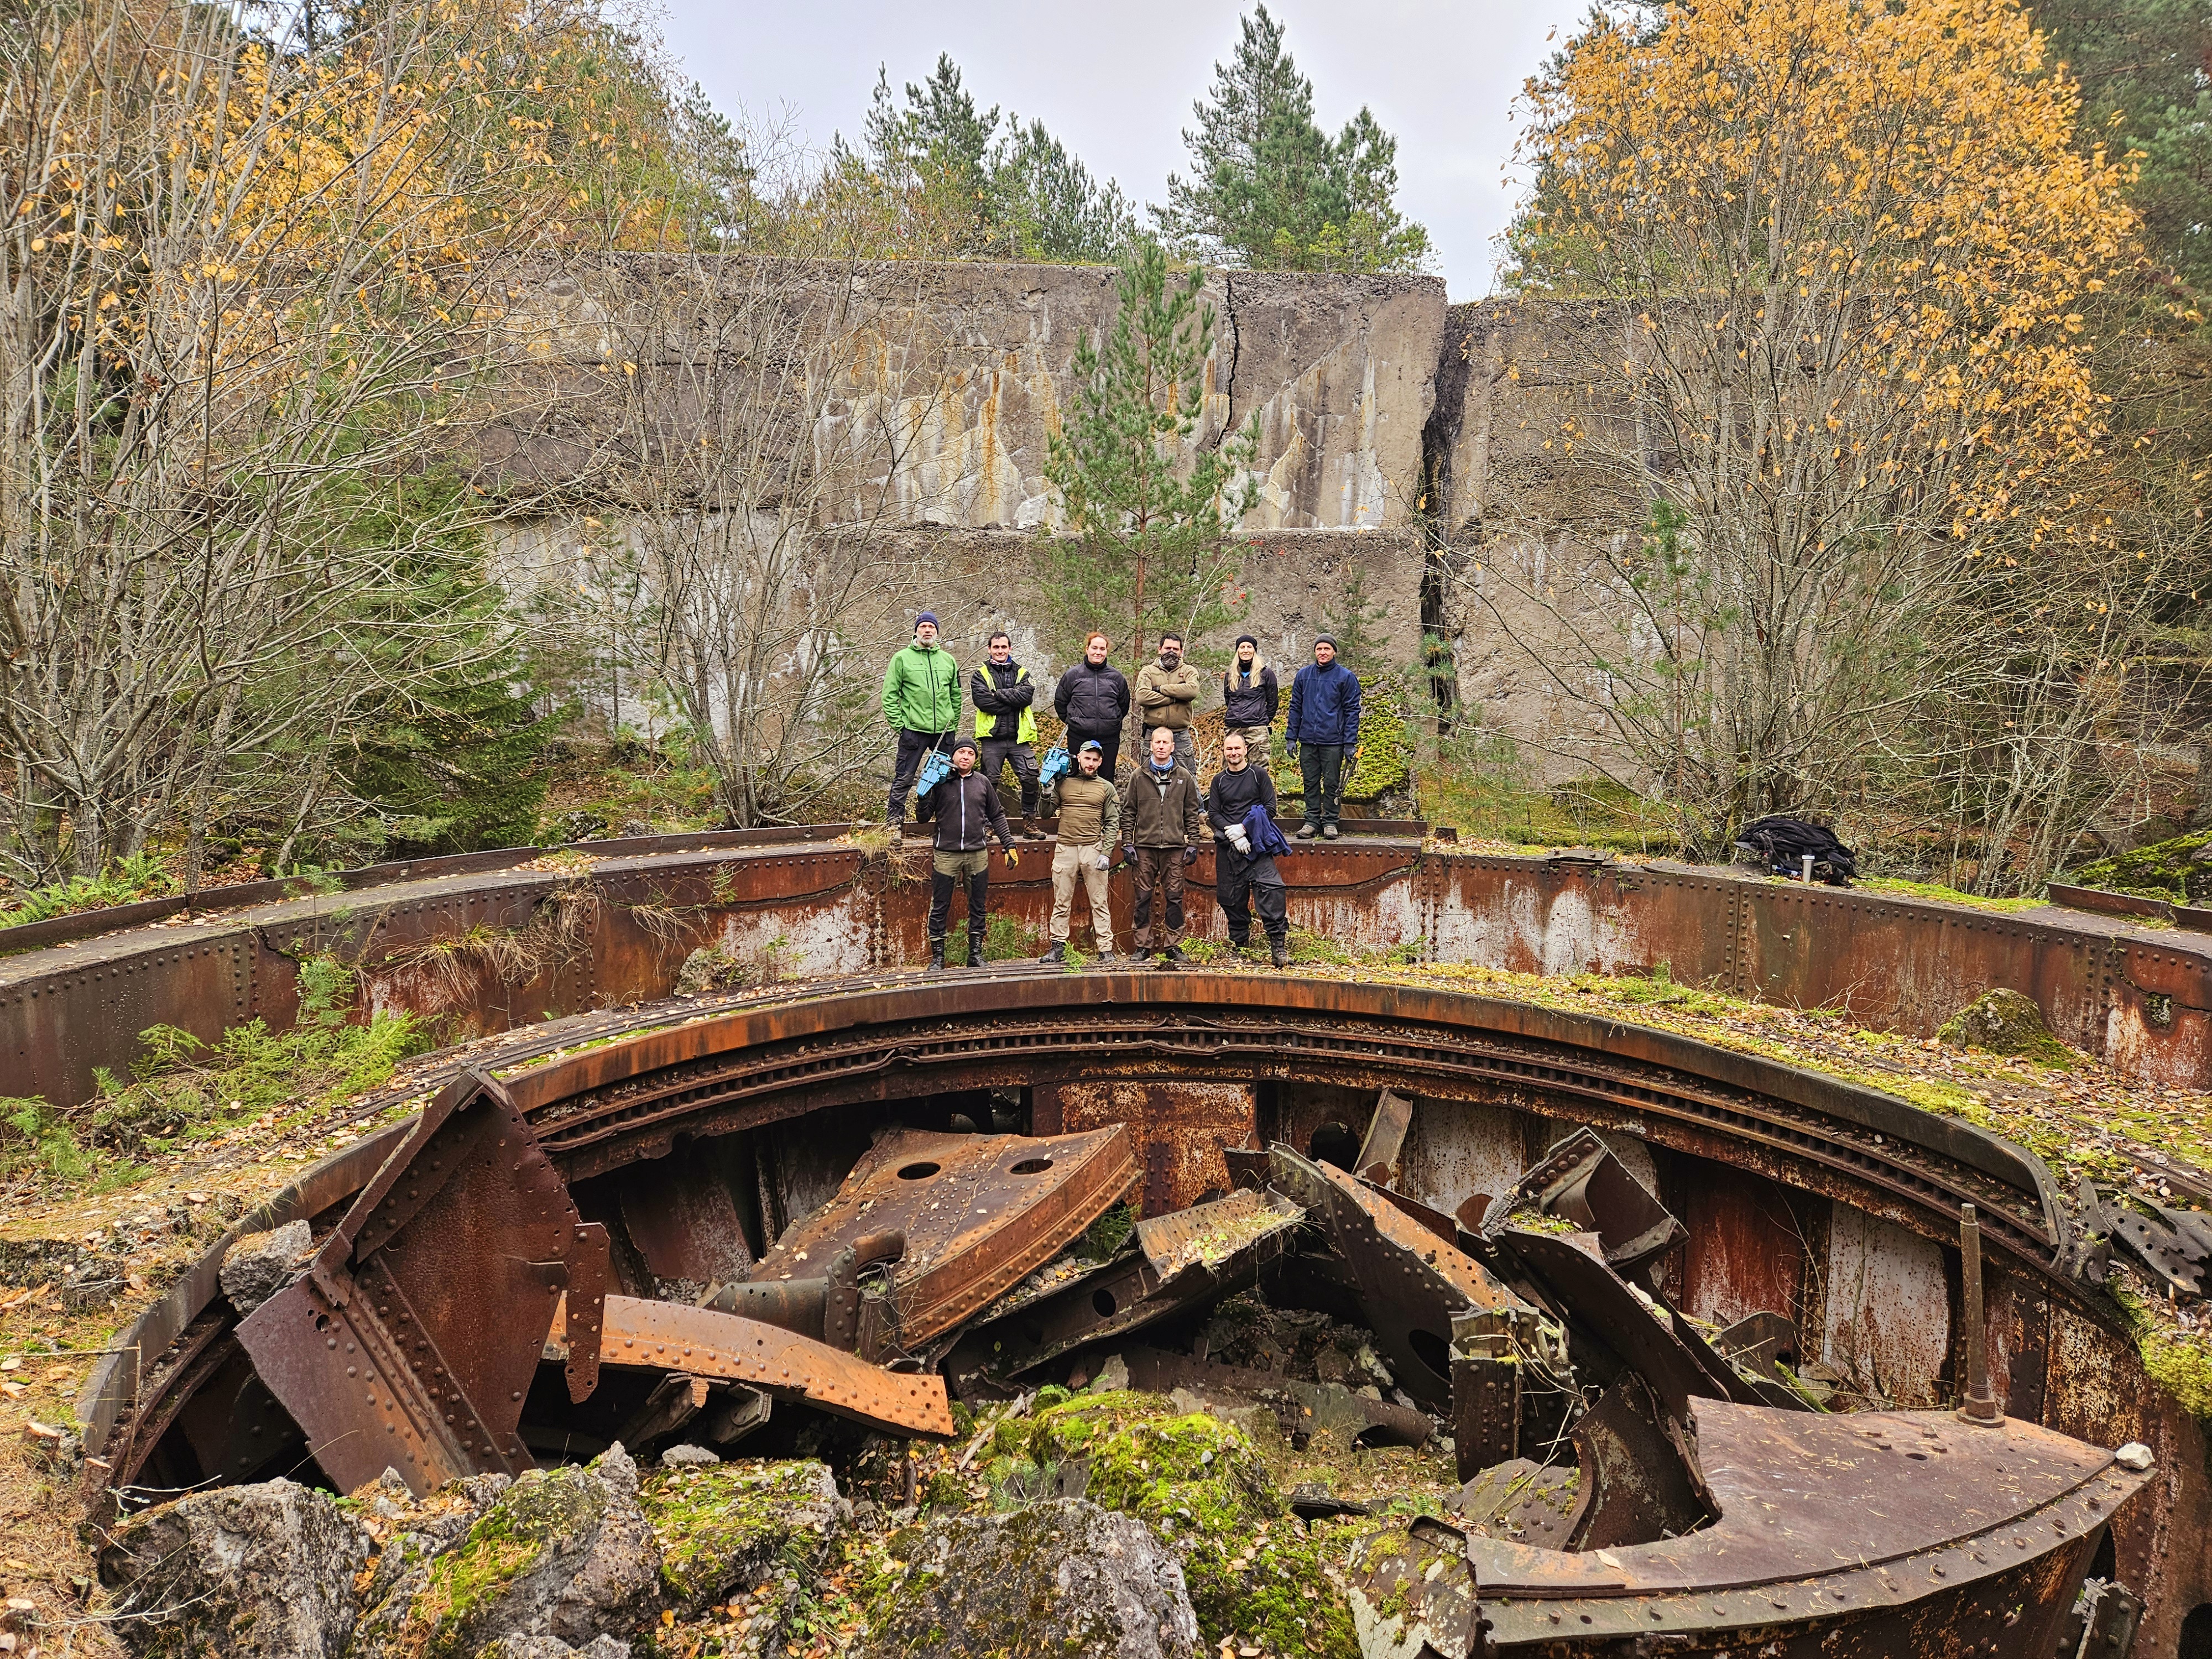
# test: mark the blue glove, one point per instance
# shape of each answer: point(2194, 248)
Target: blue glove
point(1056, 764)
point(934, 766)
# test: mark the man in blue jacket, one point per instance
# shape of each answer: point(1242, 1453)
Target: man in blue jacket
point(1324, 735)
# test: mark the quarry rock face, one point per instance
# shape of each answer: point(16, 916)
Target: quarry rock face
point(262, 1571)
point(972, 363)
point(1059, 1577)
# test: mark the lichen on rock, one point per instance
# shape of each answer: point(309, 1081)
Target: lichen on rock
point(2005, 1022)
point(566, 1553)
point(261, 1571)
point(1052, 1581)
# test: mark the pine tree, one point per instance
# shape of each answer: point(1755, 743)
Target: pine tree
point(1270, 190)
point(1147, 520)
point(2140, 65)
point(1006, 190)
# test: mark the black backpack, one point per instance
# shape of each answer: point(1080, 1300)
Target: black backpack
point(1782, 843)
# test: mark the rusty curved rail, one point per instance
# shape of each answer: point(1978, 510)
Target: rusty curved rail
point(679, 1076)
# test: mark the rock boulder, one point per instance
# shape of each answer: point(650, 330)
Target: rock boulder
point(264, 1571)
point(1057, 1578)
point(564, 1553)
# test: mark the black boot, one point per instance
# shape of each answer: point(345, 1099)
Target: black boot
point(936, 953)
point(1280, 948)
point(1174, 958)
point(1058, 953)
point(975, 949)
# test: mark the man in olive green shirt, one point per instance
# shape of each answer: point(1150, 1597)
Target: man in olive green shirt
point(1089, 809)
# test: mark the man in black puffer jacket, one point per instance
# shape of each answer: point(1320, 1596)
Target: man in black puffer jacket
point(1093, 699)
point(968, 813)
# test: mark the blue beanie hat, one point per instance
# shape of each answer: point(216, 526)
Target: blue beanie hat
point(929, 616)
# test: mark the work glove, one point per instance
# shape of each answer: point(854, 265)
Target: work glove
point(1105, 861)
point(1013, 857)
point(1240, 841)
point(1290, 753)
point(1129, 852)
point(1189, 856)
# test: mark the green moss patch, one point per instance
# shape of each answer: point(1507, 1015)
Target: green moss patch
point(1253, 1572)
point(727, 1527)
point(2166, 870)
point(507, 1541)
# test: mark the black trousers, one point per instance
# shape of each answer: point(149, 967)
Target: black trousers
point(940, 905)
point(1109, 740)
point(1243, 885)
point(997, 752)
point(1322, 763)
point(912, 747)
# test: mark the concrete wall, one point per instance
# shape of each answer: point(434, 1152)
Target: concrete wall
point(980, 580)
point(970, 366)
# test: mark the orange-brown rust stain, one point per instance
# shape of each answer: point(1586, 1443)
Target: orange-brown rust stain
point(1180, 1128)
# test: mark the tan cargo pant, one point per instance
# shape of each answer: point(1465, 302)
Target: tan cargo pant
point(1068, 862)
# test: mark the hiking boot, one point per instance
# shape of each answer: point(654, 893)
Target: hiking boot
point(937, 955)
point(1307, 832)
point(1104, 959)
point(1174, 958)
point(1033, 830)
point(1280, 951)
point(1329, 832)
point(975, 949)
point(1141, 955)
point(1058, 953)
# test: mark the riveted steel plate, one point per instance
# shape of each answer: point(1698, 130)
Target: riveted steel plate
point(701, 1342)
point(979, 1212)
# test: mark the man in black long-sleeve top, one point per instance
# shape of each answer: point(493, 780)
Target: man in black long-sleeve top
point(1092, 698)
point(968, 813)
point(1244, 880)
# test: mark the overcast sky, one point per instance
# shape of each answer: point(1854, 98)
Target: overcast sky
point(1116, 81)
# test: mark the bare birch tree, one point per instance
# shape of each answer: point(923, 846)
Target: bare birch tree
point(758, 423)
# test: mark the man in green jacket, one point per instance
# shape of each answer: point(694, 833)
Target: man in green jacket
point(921, 703)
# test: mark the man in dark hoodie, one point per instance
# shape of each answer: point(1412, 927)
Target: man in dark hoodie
point(1245, 878)
point(1323, 735)
point(967, 813)
point(1093, 699)
point(1249, 697)
point(1005, 725)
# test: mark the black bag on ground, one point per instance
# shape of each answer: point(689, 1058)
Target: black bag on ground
point(1783, 842)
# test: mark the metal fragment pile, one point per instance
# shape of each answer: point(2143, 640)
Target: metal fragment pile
point(1627, 1475)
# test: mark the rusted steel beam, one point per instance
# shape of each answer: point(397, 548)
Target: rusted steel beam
point(702, 1342)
